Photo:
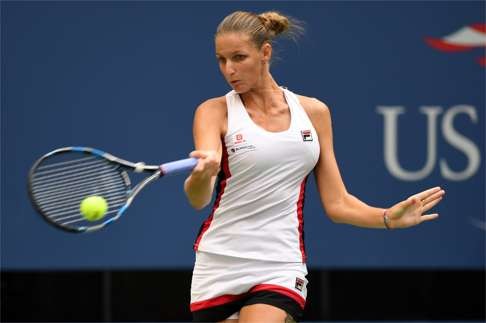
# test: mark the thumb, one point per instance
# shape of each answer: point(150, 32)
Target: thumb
point(413, 200)
point(401, 207)
point(407, 203)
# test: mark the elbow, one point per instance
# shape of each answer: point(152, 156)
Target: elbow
point(335, 213)
point(198, 205)
point(337, 207)
point(335, 217)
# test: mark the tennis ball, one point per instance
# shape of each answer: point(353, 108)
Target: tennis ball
point(93, 208)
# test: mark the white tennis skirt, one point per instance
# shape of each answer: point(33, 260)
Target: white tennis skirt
point(219, 279)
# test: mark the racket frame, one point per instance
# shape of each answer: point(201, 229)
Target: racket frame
point(156, 171)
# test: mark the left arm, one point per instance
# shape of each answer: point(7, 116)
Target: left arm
point(343, 207)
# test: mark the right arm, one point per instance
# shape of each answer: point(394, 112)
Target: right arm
point(208, 129)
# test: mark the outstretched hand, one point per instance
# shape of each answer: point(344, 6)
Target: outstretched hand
point(413, 210)
point(208, 163)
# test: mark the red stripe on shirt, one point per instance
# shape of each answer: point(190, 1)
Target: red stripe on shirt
point(300, 217)
point(223, 176)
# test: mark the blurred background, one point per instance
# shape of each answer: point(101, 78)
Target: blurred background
point(405, 83)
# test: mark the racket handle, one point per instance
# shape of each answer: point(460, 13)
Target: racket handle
point(178, 166)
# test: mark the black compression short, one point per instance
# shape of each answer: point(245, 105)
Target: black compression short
point(222, 312)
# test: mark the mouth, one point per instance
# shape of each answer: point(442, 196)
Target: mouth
point(235, 82)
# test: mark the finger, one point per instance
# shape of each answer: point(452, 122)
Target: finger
point(429, 217)
point(431, 204)
point(431, 201)
point(199, 166)
point(198, 154)
point(206, 164)
point(427, 193)
point(201, 160)
point(433, 197)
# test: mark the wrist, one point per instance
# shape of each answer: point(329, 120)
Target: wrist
point(386, 220)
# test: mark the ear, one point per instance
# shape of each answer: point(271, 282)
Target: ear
point(266, 51)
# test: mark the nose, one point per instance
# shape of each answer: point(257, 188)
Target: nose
point(229, 68)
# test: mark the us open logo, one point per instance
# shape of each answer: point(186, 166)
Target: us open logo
point(466, 38)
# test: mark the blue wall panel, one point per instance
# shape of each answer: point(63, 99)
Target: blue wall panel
point(126, 77)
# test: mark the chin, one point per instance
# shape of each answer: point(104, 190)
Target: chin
point(240, 89)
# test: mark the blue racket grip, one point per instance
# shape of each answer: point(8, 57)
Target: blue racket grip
point(178, 166)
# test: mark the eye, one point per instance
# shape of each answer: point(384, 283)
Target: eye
point(239, 57)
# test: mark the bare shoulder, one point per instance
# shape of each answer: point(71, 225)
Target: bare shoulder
point(317, 110)
point(212, 112)
point(213, 106)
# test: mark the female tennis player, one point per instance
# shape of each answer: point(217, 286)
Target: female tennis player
point(257, 145)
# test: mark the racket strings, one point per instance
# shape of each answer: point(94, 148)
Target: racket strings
point(71, 213)
point(61, 166)
point(82, 220)
point(76, 160)
point(61, 205)
point(57, 179)
point(74, 190)
point(59, 187)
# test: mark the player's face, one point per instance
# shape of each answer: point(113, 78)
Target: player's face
point(240, 62)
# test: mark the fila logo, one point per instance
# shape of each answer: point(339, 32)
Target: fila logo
point(306, 135)
point(299, 284)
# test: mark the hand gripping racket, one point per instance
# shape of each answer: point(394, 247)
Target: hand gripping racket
point(61, 179)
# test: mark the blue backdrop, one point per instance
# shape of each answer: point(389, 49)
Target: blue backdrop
point(126, 77)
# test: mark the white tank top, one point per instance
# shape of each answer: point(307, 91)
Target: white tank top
point(257, 213)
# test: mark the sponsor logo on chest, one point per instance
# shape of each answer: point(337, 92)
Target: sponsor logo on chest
point(240, 144)
point(306, 135)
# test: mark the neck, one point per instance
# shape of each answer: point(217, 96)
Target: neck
point(265, 95)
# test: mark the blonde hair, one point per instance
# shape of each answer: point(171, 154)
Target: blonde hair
point(261, 28)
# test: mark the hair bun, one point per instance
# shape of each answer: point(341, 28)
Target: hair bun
point(261, 28)
point(275, 22)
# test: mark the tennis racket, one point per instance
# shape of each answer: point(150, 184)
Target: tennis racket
point(61, 179)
